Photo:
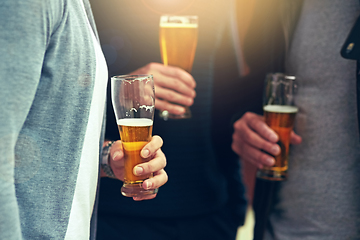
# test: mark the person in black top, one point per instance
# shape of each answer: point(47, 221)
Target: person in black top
point(204, 197)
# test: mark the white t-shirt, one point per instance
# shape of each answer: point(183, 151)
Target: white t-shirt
point(86, 185)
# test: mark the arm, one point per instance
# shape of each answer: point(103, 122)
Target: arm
point(23, 40)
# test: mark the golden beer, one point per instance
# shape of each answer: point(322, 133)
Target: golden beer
point(178, 42)
point(281, 119)
point(135, 133)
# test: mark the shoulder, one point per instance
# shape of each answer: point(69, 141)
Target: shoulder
point(31, 14)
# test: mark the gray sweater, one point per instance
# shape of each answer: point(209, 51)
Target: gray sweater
point(47, 73)
point(321, 199)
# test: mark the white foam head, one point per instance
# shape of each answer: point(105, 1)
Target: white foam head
point(178, 21)
point(135, 122)
point(280, 108)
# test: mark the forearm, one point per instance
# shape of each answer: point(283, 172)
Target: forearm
point(105, 169)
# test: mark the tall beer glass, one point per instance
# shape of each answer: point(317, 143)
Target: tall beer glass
point(279, 113)
point(178, 39)
point(133, 102)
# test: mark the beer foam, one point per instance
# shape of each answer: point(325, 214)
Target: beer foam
point(280, 108)
point(177, 22)
point(135, 122)
point(178, 25)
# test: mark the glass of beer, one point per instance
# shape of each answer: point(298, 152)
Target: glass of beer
point(178, 39)
point(134, 105)
point(279, 113)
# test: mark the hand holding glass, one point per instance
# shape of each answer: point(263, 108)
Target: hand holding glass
point(279, 114)
point(134, 105)
point(178, 39)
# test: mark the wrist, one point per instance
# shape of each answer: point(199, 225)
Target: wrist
point(105, 160)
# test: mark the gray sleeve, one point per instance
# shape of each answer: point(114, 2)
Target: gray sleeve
point(24, 28)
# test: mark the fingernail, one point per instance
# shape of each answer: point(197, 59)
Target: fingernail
point(138, 170)
point(273, 137)
point(180, 109)
point(270, 161)
point(115, 155)
point(275, 150)
point(148, 185)
point(145, 153)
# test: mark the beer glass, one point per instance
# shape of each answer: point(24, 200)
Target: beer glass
point(134, 105)
point(279, 113)
point(178, 39)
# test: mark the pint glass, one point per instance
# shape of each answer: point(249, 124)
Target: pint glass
point(279, 114)
point(133, 102)
point(178, 39)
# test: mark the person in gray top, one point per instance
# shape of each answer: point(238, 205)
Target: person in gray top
point(53, 79)
point(321, 198)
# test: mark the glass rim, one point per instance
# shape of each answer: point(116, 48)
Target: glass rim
point(130, 77)
point(179, 15)
point(276, 76)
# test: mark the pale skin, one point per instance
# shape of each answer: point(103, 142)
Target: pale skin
point(156, 165)
point(172, 85)
point(253, 139)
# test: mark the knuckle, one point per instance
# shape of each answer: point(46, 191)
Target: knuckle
point(165, 176)
point(190, 101)
point(263, 157)
point(164, 162)
point(177, 83)
point(177, 72)
point(236, 139)
point(234, 148)
point(159, 139)
point(248, 115)
point(264, 145)
point(160, 105)
point(147, 168)
point(237, 125)
point(170, 95)
point(247, 135)
point(194, 94)
point(237, 147)
point(151, 66)
point(171, 82)
point(257, 124)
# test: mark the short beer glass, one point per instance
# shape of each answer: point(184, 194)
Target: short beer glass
point(178, 37)
point(134, 105)
point(279, 113)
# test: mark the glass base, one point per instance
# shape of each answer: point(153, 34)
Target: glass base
point(166, 115)
point(271, 175)
point(136, 190)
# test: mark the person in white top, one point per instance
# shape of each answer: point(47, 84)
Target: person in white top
point(53, 79)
